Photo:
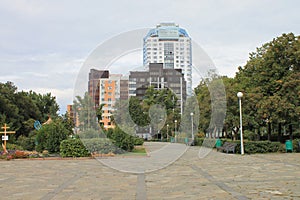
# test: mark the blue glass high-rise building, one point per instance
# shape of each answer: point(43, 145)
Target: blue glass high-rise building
point(171, 45)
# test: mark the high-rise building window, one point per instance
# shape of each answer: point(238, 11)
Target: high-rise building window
point(171, 41)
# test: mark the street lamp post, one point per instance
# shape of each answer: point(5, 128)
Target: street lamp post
point(167, 132)
point(192, 119)
point(240, 95)
point(175, 130)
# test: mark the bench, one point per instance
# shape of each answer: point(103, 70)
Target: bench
point(228, 147)
point(191, 143)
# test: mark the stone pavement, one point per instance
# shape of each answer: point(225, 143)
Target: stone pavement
point(216, 176)
point(160, 155)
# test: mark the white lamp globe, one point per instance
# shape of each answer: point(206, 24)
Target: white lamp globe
point(239, 94)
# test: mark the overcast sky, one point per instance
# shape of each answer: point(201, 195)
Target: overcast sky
point(43, 44)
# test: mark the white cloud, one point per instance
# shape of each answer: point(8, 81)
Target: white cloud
point(11, 78)
point(127, 63)
point(44, 43)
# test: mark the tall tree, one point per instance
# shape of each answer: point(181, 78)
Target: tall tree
point(85, 108)
point(268, 77)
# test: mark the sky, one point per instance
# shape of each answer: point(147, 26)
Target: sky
point(43, 44)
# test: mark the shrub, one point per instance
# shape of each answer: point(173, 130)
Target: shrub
point(138, 141)
point(198, 141)
point(27, 143)
point(90, 133)
point(296, 147)
point(208, 142)
point(200, 135)
point(121, 139)
point(73, 148)
point(101, 146)
point(10, 146)
point(50, 136)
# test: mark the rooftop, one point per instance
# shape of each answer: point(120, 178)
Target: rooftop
point(167, 30)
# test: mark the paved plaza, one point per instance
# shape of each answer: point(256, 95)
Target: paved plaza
point(216, 176)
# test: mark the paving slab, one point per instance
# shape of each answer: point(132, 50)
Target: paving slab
point(216, 176)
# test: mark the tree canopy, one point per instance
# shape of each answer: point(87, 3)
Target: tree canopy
point(270, 81)
point(21, 109)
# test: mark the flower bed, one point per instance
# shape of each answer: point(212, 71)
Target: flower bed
point(17, 154)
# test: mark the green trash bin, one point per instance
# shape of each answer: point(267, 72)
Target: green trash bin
point(289, 145)
point(218, 143)
point(172, 140)
point(186, 140)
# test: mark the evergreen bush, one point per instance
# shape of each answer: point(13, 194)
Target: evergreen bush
point(73, 148)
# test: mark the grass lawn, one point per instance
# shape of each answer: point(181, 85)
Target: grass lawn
point(137, 151)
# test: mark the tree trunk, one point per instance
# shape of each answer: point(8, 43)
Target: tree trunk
point(279, 132)
point(291, 131)
point(269, 131)
point(258, 134)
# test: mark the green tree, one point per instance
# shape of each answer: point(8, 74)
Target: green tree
point(137, 112)
point(21, 109)
point(212, 104)
point(270, 78)
point(46, 104)
point(168, 101)
point(9, 111)
point(86, 110)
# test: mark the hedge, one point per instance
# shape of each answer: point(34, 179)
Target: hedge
point(84, 147)
point(101, 146)
point(250, 147)
point(296, 147)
